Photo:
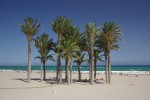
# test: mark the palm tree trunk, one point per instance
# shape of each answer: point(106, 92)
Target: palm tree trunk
point(92, 67)
point(44, 77)
point(79, 73)
point(65, 69)
point(108, 63)
point(41, 71)
point(95, 69)
point(92, 60)
point(71, 80)
point(59, 74)
point(29, 62)
point(89, 65)
point(59, 71)
point(68, 79)
point(109, 69)
point(106, 68)
point(66, 65)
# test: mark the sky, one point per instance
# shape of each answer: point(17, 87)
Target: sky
point(133, 16)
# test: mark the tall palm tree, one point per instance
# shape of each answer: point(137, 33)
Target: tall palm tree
point(30, 28)
point(44, 45)
point(68, 48)
point(60, 26)
point(111, 35)
point(91, 31)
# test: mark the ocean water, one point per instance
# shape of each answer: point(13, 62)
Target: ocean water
point(84, 68)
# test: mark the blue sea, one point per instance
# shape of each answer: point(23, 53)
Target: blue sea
point(83, 68)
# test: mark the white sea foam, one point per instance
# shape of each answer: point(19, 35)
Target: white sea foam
point(86, 72)
point(131, 72)
point(121, 72)
point(6, 70)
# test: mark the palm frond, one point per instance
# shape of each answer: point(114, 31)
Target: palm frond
point(30, 27)
point(38, 57)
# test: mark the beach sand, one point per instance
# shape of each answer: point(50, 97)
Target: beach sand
point(13, 86)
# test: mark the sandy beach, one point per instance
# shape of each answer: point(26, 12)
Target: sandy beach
point(13, 86)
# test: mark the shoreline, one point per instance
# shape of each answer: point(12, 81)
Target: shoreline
point(87, 72)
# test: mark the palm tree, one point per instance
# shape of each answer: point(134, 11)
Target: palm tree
point(82, 43)
point(30, 28)
point(100, 43)
point(73, 35)
point(91, 31)
point(79, 60)
point(110, 36)
point(68, 48)
point(44, 45)
point(97, 58)
point(60, 26)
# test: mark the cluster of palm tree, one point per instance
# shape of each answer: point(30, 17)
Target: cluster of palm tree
point(43, 43)
point(72, 45)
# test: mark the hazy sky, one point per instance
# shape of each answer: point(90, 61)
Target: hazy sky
point(132, 15)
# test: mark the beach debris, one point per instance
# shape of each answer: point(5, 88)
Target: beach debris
point(101, 79)
point(53, 91)
point(74, 79)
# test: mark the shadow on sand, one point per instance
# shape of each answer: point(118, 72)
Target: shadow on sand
point(51, 82)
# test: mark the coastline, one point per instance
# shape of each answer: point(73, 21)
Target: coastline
point(86, 72)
